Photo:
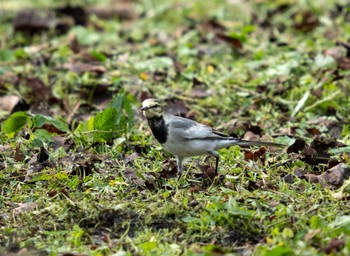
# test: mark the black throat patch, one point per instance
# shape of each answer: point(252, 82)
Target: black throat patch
point(159, 128)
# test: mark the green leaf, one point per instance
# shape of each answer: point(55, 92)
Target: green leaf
point(86, 126)
point(14, 123)
point(288, 233)
point(98, 56)
point(42, 177)
point(6, 55)
point(123, 104)
point(189, 219)
point(21, 54)
point(340, 221)
point(148, 246)
point(316, 222)
point(322, 61)
point(105, 122)
point(155, 63)
point(41, 137)
point(86, 36)
point(301, 103)
point(75, 237)
point(346, 130)
point(280, 250)
point(340, 150)
point(117, 101)
point(40, 120)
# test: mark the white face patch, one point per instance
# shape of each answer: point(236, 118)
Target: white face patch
point(149, 103)
point(152, 108)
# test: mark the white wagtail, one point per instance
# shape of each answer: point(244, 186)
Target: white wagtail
point(185, 138)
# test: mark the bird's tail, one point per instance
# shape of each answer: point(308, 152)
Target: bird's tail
point(257, 143)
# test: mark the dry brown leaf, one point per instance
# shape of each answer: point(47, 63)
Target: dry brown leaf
point(305, 21)
point(334, 177)
point(25, 207)
point(8, 102)
point(311, 234)
point(39, 90)
point(251, 136)
point(177, 107)
point(79, 67)
point(233, 42)
point(195, 189)
point(123, 10)
point(334, 245)
point(313, 178)
point(33, 21)
point(169, 169)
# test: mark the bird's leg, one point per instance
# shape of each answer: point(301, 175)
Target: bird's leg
point(179, 167)
point(217, 158)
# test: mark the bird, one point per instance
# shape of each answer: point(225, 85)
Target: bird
point(185, 138)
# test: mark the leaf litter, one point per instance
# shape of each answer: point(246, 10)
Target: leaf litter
point(86, 165)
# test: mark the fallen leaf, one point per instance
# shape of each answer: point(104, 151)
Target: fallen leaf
point(299, 172)
point(335, 52)
point(19, 156)
point(334, 177)
point(208, 171)
point(78, 13)
point(343, 63)
point(123, 10)
point(169, 169)
point(8, 102)
point(199, 89)
point(288, 178)
point(313, 131)
point(80, 67)
point(146, 181)
point(322, 144)
point(334, 245)
point(195, 189)
point(232, 41)
point(52, 129)
point(8, 77)
point(193, 203)
point(249, 135)
point(305, 21)
point(212, 25)
point(25, 207)
point(313, 178)
point(131, 158)
point(61, 141)
point(339, 194)
point(342, 59)
point(259, 154)
point(309, 155)
point(39, 91)
point(311, 234)
point(299, 146)
point(176, 107)
point(33, 21)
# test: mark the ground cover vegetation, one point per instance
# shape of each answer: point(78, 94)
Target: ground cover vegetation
point(81, 174)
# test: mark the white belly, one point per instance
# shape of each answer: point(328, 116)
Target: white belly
point(189, 148)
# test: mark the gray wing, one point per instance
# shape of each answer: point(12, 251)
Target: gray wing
point(188, 129)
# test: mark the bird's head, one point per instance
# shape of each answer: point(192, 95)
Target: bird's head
point(151, 108)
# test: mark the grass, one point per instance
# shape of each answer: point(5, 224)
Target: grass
point(81, 173)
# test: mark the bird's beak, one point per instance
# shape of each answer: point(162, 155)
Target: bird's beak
point(144, 108)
